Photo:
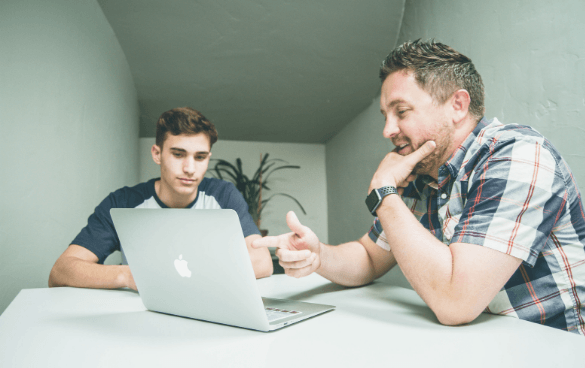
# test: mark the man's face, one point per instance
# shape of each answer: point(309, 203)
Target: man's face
point(412, 118)
point(183, 162)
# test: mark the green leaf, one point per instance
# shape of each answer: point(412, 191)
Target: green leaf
point(250, 189)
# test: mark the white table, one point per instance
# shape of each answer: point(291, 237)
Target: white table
point(373, 326)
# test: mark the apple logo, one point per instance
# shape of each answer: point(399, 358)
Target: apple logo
point(181, 266)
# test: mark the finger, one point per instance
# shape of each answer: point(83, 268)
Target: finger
point(300, 272)
point(280, 241)
point(401, 186)
point(299, 264)
point(286, 255)
point(294, 224)
point(422, 152)
point(404, 184)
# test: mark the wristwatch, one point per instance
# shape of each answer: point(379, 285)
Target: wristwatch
point(375, 198)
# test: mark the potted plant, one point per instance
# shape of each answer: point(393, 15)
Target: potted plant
point(252, 188)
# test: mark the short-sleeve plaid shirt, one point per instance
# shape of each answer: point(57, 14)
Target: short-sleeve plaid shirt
point(507, 188)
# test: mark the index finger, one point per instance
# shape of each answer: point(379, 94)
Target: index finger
point(423, 151)
point(280, 241)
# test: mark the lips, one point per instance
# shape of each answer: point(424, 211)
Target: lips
point(187, 181)
point(402, 148)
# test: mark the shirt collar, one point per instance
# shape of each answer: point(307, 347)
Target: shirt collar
point(417, 187)
point(454, 163)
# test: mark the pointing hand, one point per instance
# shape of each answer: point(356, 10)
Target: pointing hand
point(298, 251)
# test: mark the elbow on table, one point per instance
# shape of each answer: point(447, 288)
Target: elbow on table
point(455, 316)
point(53, 278)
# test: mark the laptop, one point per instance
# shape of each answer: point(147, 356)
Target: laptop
point(195, 263)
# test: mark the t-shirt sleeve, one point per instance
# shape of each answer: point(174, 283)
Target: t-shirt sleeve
point(514, 199)
point(236, 202)
point(99, 235)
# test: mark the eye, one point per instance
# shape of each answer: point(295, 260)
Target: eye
point(401, 112)
point(177, 154)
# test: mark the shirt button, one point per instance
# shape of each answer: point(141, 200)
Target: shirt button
point(444, 195)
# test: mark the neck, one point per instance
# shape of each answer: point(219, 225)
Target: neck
point(459, 136)
point(462, 132)
point(171, 199)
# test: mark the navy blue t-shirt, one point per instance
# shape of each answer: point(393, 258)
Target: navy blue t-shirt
point(100, 237)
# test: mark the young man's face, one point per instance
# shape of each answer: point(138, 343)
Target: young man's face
point(412, 118)
point(183, 162)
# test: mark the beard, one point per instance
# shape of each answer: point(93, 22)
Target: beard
point(430, 165)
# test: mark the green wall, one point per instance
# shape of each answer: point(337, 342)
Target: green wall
point(531, 56)
point(68, 131)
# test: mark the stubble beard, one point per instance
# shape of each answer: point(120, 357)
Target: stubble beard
point(431, 164)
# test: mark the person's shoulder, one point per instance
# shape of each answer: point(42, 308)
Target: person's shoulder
point(518, 143)
point(224, 192)
point(132, 196)
point(213, 185)
point(496, 132)
point(497, 138)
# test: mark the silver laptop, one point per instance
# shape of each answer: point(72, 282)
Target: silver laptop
point(194, 263)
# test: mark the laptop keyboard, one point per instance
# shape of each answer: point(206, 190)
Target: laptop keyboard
point(274, 314)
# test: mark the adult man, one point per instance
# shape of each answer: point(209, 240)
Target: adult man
point(488, 218)
point(183, 148)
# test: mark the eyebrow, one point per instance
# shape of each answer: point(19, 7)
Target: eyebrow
point(392, 104)
point(182, 150)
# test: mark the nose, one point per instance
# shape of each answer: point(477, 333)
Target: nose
point(189, 166)
point(390, 128)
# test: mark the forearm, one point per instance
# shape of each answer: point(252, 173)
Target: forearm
point(72, 271)
point(426, 262)
point(262, 264)
point(261, 259)
point(347, 264)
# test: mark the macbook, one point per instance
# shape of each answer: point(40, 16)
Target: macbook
point(195, 263)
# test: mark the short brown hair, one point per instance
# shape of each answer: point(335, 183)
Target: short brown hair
point(439, 70)
point(184, 120)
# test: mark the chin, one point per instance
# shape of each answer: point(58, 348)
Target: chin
point(423, 168)
point(185, 191)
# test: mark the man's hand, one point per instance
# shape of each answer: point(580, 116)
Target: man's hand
point(396, 170)
point(298, 251)
point(401, 186)
point(129, 279)
point(78, 267)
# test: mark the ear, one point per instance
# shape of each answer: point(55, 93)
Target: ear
point(460, 105)
point(156, 152)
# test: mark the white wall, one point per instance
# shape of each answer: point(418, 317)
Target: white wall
point(307, 184)
point(353, 156)
point(531, 56)
point(68, 131)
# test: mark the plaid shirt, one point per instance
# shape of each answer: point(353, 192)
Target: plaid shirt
point(507, 188)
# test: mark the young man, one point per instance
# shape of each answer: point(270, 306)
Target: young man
point(480, 216)
point(183, 148)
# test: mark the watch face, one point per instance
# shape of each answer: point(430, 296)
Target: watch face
point(372, 200)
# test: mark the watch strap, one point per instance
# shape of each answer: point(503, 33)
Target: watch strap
point(375, 197)
point(384, 191)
